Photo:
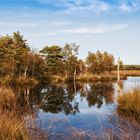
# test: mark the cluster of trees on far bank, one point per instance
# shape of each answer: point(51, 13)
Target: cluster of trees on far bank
point(18, 61)
point(64, 61)
point(100, 62)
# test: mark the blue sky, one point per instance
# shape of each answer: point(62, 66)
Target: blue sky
point(105, 25)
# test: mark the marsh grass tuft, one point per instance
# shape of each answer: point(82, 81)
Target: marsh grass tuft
point(129, 104)
point(6, 97)
point(11, 124)
point(11, 127)
point(12, 121)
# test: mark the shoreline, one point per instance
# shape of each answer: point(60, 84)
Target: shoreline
point(93, 77)
point(84, 78)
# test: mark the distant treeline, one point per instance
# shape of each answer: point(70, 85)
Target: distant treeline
point(127, 67)
point(131, 67)
point(18, 62)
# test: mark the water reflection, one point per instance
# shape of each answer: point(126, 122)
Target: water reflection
point(96, 103)
point(100, 92)
point(63, 98)
point(57, 99)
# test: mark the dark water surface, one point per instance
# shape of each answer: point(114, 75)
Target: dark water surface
point(62, 108)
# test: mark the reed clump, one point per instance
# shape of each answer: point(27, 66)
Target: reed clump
point(6, 97)
point(26, 82)
point(11, 127)
point(129, 104)
point(11, 123)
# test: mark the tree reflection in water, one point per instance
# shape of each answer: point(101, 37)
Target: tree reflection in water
point(62, 98)
point(98, 93)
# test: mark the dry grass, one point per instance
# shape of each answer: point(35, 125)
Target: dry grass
point(26, 82)
point(95, 78)
point(12, 122)
point(129, 104)
point(11, 125)
point(6, 97)
point(128, 72)
point(87, 77)
point(123, 130)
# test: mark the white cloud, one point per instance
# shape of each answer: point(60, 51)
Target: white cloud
point(1, 24)
point(54, 2)
point(130, 6)
point(125, 7)
point(97, 29)
point(58, 23)
point(96, 6)
point(42, 35)
point(17, 24)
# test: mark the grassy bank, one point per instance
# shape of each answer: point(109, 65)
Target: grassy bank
point(128, 72)
point(98, 78)
point(85, 78)
point(129, 104)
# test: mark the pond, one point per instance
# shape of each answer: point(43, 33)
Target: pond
point(61, 109)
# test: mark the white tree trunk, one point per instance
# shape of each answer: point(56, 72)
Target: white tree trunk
point(118, 69)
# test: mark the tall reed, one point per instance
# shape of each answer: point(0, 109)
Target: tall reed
point(129, 104)
point(11, 124)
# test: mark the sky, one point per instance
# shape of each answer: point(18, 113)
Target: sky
point(105, 25)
